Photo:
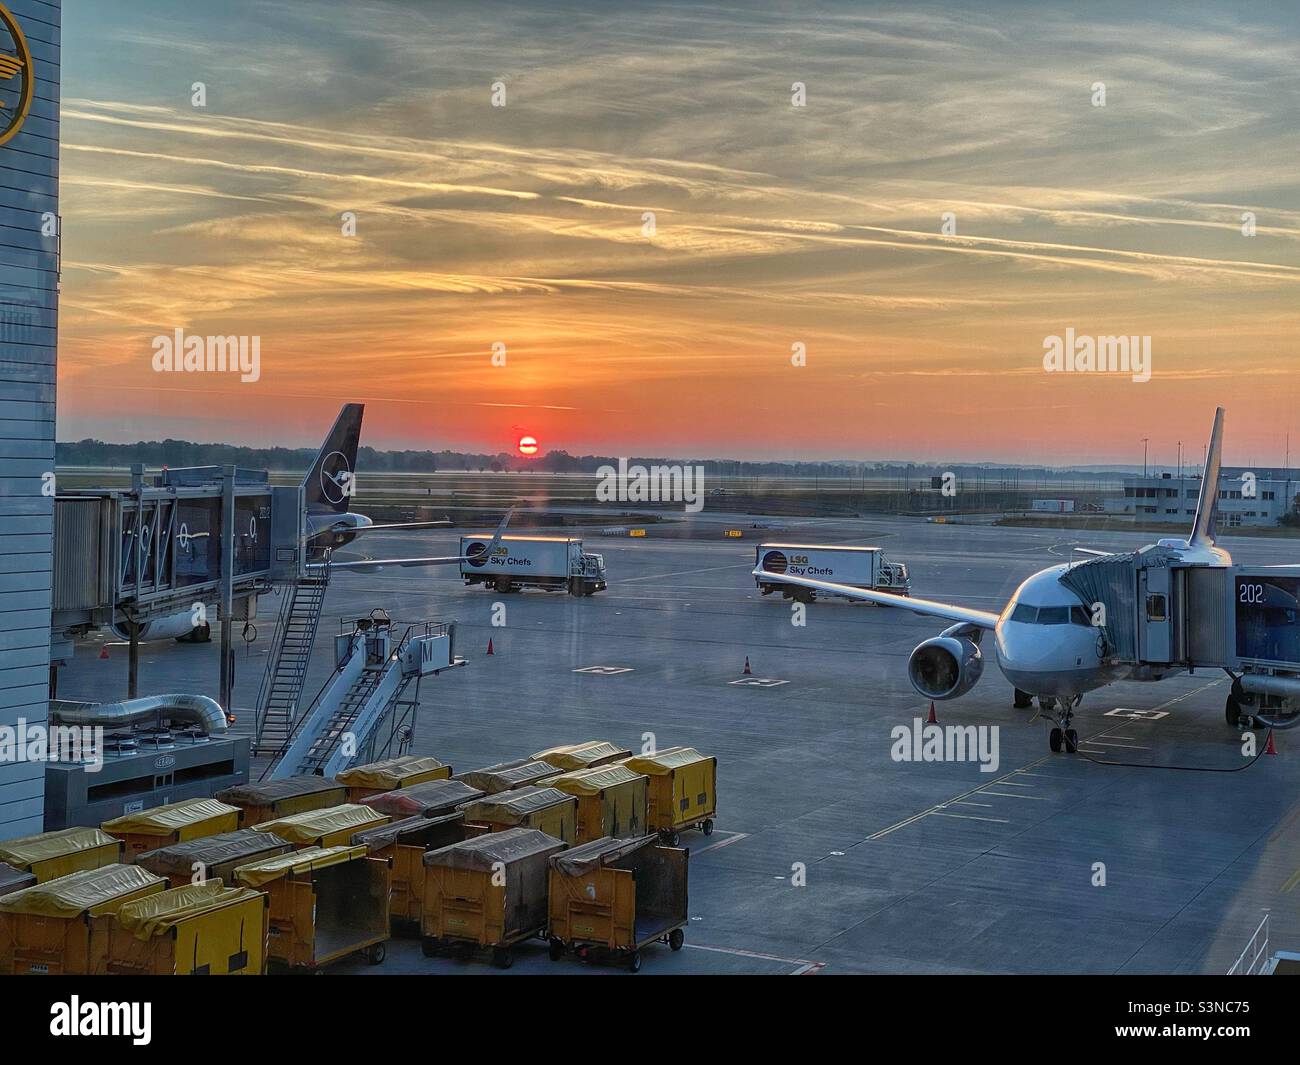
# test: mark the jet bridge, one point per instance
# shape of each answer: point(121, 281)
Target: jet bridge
point(364, 709)
point(1160, 614)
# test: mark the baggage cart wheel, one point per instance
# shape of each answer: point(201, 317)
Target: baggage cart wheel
point(556, 950)
point(673, 838)
point(503, 957)
point(465, 951)
point(375, 954)
point(676, 938)
point(429, 947)
point(634, 961)
point(708, 826)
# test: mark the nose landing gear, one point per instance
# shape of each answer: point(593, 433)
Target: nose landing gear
point(1063, 734)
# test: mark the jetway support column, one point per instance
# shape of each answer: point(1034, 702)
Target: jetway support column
point(227, 584)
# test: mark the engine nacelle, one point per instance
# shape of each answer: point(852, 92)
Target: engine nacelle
point(945, 667)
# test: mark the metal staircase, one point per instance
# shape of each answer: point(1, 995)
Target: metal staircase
point(286, 669)
point(360, 710)
point(340, 723)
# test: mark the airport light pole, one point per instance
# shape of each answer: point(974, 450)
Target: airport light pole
point(1145, 440)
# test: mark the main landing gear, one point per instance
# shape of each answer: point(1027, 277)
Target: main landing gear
point(1063, 734)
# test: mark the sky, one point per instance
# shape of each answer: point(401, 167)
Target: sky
point(950, 194)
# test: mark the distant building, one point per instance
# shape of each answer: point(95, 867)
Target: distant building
point(1168, 496)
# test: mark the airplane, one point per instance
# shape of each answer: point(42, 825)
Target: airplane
point(329, 522)
point(1046, 641)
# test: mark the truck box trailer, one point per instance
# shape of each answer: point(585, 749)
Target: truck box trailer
point(858, 567)
point(553, 563)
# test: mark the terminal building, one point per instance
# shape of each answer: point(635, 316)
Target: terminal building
point(29, 273)
point(1248, 495)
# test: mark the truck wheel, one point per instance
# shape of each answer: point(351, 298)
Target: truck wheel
point(634, 961)
point(676, 938)
point(556, 950)
point(503, 584)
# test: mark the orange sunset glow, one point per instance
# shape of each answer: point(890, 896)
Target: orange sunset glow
point(650, 228)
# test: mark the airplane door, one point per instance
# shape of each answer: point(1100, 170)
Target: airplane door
point(1157, 614)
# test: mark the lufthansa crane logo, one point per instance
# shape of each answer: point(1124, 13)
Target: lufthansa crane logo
point(336, 477)
point(17, 85)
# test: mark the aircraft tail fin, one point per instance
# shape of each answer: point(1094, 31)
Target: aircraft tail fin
point(1208, 501)
point(331, 481)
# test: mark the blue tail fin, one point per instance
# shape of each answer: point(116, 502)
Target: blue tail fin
point(331, 481)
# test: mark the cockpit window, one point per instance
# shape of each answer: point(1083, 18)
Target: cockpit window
point(1053, 615)
point(1024, 613)
point(1080, 616)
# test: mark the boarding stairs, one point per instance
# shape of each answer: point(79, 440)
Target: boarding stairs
point(286, 668)
point(372, 673)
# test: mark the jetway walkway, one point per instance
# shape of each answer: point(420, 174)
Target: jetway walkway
point(364, 709)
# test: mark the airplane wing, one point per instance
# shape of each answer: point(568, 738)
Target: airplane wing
point(400, 525)
point(436, 560)
point(980, 618)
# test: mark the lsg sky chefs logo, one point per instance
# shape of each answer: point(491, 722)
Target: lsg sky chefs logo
point(17, 80)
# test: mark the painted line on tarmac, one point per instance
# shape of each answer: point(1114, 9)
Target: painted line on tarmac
point(803, 966)
point(736, 837)
point(684, 572)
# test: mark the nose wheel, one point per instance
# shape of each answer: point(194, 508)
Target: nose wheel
point(1063, 735)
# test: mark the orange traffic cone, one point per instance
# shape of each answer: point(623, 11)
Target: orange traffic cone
point(748, 672)
point(931, 720)
point(489, 650)
point(1268, 747)
point(103, 652)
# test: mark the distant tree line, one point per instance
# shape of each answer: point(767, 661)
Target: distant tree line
point(174, 453)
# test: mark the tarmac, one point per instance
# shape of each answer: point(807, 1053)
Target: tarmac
point(829, 855)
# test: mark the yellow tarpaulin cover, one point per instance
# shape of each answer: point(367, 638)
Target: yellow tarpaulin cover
point(592, 781)
point(390, 773)
point(155, 914)
point(27, 850)
point(74, 894)
point(258, 873)
point(164, 820)
point(312, 824)
point(666, 760)
point(580, 755)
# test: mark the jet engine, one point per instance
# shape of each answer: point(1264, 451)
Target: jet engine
point(945, 667)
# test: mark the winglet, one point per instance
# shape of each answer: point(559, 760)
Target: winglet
point(501, 531)
point(1208, 501)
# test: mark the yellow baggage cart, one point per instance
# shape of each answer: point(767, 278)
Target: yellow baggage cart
point(430, 799)
point(203, 929)
point(176, 822)
point(48, 855)
point(683, 791)
point(507, 776)
point(60, 927)
point(331, 827)
point(325, 904)
point(212, 857)
point(405, 842)
point(274, 799)
point(489, 891)
point(611, 801)
point(614, 897)
point(546, 809)
point(583, 755)
point(362, 781)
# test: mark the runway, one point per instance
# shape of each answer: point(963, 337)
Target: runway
point(830, 856)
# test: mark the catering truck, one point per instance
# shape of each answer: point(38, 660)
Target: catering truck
point(858, 567)
point(555, 563)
